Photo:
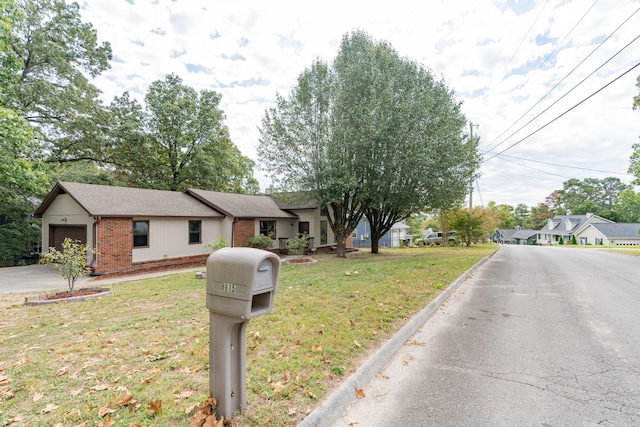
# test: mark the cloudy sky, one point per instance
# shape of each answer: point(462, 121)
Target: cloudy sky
point(531, 73)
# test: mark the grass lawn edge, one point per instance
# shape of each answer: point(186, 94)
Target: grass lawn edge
point(337, 402)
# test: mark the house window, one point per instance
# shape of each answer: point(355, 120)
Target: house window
point(323, 232)
point(140, 234)
point(268, 228)
point(195, 232)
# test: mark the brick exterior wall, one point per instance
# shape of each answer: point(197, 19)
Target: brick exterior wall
point(243, 229)
point(114, 239)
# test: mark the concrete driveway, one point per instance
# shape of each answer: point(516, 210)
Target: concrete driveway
point(39, 278)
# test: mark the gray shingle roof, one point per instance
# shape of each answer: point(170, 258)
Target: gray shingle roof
point(619, 230)
point(241, 205)
point(578, 222)
point(294, 201)
point(524, 234)
point(104, 200)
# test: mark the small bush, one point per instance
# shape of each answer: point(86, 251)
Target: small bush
point(260, 242)
point(71, 261)
point(297, 245)
point(219, 243)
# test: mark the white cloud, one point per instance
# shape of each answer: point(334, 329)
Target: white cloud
point(487, 51)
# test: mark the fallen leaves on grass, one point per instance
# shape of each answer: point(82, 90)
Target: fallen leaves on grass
point(5, 391)
point(206, 417)
point(184, 394)
point(126, 399)
point(105, 410)
point(154, 407)
point(100, 387)
point(49, 408)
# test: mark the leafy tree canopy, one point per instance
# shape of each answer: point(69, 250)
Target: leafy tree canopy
point(591, 195)
point(371, 132)
point(50, 53)
point(178, 140)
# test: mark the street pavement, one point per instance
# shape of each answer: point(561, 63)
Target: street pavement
point(46, 278)
point(538, 336)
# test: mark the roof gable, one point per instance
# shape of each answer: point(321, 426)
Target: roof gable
point(241, 205)
point(112, 201)
point(573, 223)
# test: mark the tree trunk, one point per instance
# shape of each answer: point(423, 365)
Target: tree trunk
point(341, 246)
point(375, 242)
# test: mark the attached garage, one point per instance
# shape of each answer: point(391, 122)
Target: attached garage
point(57, 234)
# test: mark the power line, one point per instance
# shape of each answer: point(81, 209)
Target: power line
point(565, 166)
point(567, 111)
point(563, 79)
point(522, 41)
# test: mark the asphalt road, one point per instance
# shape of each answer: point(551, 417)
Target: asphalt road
point(539, 336)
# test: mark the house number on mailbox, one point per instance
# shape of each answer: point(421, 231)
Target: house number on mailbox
point(228, 287)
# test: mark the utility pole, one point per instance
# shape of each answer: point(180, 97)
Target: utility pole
point(471, 125)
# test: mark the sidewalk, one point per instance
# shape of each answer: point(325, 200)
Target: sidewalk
point(38, 278)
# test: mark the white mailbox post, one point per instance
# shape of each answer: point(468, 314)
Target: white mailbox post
point(241, 284)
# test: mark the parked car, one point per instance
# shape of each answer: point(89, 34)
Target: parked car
point(436, 238)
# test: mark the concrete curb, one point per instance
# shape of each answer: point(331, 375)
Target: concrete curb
point(338, 402)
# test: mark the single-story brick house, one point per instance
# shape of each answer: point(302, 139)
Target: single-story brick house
point(135, 229)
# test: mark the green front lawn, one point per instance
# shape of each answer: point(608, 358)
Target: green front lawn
point(102, 362)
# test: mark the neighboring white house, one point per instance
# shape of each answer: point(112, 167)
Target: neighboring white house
point(616, 234)
point(566, 226)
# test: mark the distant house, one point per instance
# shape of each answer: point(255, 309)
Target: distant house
point(515, 236)
point(395, 237)
point(566, 226)
point(136, 229)
point(616, 234)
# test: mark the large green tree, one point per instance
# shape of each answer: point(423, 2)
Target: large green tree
point(627, 207)
point(591, 195)
point(301, 152)
point(366, 133)
point(57, 53)
point(504, 214)
point(178, 140)
point(22, 179)
point(420, 159)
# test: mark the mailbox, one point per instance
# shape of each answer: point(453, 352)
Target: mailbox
point(241, 282)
